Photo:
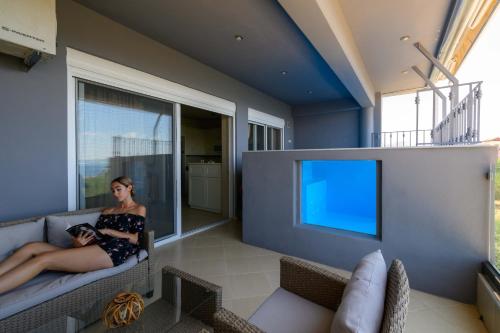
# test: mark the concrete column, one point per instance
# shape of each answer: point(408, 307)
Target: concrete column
point(377, 115)
point(366, 126)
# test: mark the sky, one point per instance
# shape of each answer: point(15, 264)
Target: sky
point(482, 63)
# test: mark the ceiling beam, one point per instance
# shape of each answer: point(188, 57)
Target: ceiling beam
point(324, 24)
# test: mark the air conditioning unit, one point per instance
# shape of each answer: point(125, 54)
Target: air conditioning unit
point(28, 28)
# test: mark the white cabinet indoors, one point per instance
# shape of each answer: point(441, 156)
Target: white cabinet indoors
point(205, 186)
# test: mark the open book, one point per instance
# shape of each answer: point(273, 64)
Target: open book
point(84, 228)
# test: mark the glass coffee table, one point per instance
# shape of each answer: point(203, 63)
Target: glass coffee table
point(174, 301)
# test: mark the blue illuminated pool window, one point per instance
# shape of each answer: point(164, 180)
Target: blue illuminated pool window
point(341, 195)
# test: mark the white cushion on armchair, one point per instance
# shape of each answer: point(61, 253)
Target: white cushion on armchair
point(362, 306)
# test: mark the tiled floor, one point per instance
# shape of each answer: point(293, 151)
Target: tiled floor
point(195, 218)
point(249, 274)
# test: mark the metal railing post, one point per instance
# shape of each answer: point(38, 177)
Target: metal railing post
point(417, 102)
point(437, 91)
point(478, 97)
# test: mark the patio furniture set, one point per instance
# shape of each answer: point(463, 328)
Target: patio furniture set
point(309, 299)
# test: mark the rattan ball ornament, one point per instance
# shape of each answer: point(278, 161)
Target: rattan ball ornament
point(123, 310)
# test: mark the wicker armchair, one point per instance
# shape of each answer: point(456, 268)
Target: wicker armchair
point(326, 288)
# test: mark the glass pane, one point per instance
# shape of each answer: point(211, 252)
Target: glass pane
point(251, 136)
point(269, 145)
point(273, 138)
point(120, 133)
point(340, 195)
point(277, 139)
point(260, 137)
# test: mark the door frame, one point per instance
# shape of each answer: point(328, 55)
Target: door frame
point(81, 65)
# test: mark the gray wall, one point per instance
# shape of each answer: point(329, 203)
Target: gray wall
point(327, 125)
point(434, 213)
point(33, 132)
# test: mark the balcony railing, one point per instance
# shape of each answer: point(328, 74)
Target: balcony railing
point(462, 124)
point(412, 138)
point(451, 124)
point(402, 138)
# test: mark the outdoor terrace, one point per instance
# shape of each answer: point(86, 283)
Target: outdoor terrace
point(309, 65)
point(248, 274)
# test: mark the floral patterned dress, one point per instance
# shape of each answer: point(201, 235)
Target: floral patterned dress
point(119, 249)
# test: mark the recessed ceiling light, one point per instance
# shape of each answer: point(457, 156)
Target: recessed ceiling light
point(404, 38)
point(238, 37)
point(404, 72)
point(284, 72)
point(309, 92)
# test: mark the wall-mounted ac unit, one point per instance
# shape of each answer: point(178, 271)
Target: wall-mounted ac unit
point(28, 26)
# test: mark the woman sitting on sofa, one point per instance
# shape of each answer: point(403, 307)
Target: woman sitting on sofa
point(123, 227)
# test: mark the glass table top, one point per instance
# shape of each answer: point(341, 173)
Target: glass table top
point(174, 302)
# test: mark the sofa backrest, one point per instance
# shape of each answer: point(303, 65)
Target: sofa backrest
point(397, 297)
point(15, 235)
point(146, 242)
point(56, 225)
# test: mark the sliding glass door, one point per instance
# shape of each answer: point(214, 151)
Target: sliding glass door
point(122, 133)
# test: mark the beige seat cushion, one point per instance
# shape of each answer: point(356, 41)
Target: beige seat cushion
point(285, 312)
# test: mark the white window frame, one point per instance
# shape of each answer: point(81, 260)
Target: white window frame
point(84, 66)
point(264, 119)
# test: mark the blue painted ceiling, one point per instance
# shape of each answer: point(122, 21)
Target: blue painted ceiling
point(205, 30)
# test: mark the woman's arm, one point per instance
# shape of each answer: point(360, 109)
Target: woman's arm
point(132, 238)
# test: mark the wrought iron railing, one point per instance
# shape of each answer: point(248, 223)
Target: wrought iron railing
point(402, 138)
point(451, 124)
point(462, 124)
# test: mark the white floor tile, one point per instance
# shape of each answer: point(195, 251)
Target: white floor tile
point(250, 285)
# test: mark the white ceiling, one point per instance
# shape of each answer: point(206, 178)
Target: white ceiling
point(377, 26)
point(205, 30)
point(293, 35)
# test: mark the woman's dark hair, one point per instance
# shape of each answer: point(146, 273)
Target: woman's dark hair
point(125, 181)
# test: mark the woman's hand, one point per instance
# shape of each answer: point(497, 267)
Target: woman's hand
point(104, 231)
point(83, 239)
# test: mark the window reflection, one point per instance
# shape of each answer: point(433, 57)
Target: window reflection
point(120, 133)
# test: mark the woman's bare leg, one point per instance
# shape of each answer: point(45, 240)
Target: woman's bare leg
point(77, 260)
point(25, 253)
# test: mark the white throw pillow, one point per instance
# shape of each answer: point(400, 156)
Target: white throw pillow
point(57, 225)
point(15, 236)
point(362, 306)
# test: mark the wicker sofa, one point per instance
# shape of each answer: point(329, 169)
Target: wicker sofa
point(70, 302)
point(325, 289)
